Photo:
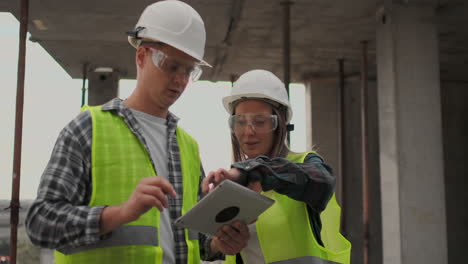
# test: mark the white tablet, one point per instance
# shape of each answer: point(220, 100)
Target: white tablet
point(228, 202)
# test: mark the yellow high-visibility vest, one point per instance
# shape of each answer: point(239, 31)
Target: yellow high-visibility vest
point(119, 161)
point(285, 234)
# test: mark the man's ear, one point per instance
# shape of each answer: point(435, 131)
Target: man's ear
point(140, 57)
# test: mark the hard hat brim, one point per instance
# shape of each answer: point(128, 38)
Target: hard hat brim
point(229, 100)
point(134, 42)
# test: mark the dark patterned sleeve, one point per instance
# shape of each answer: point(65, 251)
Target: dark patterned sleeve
point(59, 216)
point(311, 182)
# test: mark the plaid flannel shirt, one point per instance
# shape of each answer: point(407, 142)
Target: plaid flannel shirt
point(60, 217)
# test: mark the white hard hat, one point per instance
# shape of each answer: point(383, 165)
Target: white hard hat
point(174, 23)
point(258, 84)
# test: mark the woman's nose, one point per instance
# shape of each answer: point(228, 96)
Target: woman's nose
point(249, 129)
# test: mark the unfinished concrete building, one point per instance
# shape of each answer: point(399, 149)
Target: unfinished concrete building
point(387, 98)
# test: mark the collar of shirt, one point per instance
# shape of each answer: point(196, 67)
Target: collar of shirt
point(122, 110)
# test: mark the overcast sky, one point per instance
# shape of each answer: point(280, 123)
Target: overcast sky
point(52, 99)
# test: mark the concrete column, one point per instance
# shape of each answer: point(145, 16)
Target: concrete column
point(308, 106)
point(323, 126)
point(411, 160)
point(323, 123)
point(103, 86)
point(455, 131)
point(375, 209)
point(353, 223)
point(353, 174)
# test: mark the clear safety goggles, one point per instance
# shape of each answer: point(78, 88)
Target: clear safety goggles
point(260, 123)
point(187, 69)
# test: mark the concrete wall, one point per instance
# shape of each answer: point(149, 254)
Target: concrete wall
point(324, 123)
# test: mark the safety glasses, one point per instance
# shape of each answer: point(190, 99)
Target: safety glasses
point(260, 123)
point(187, 69)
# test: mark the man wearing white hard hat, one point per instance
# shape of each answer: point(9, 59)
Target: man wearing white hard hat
point(121, 173)
point(303, 224)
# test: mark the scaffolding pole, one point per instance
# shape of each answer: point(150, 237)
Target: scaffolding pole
point(365, 147)
point(287, 51)
point(15, 202)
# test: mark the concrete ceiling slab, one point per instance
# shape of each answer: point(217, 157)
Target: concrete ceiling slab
point(241, 35)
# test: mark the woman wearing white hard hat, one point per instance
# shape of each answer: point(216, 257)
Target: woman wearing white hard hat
point(303, 224)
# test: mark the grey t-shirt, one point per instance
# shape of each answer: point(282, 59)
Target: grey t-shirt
point(154, 130)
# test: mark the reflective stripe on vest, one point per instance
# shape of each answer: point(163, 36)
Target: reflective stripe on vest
point(295, 242)
point(119, 161)
point(122, 236)
point(305, 260)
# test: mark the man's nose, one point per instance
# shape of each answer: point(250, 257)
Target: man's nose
point(180, 77)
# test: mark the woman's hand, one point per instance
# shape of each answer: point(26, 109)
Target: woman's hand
point(215, 178)
point(256, 186)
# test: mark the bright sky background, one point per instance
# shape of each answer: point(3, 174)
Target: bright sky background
point(53, 98)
